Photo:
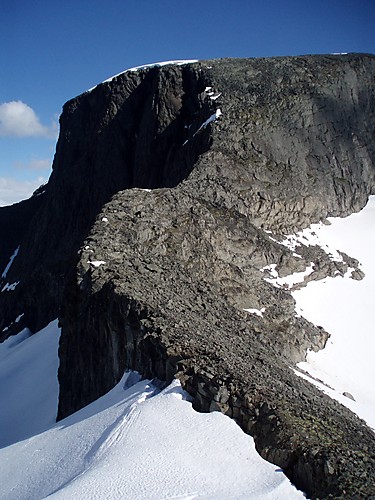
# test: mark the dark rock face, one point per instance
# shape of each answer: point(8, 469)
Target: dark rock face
point(150, 242)
point(116, 137)
point(14, 222)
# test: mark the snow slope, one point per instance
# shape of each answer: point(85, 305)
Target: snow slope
point(344, 308)
point(28, 384)
point(139, 441)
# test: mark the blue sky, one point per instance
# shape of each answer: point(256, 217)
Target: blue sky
point(52, 50)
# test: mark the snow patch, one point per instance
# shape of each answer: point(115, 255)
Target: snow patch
point(14, 255)
point(209, 120)
point(258, 312)
point(19, 317)
point(17, 320)
point(96, 263)
point(287, 281)
point(9, 287)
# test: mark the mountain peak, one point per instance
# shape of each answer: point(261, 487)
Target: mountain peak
point(171, 194)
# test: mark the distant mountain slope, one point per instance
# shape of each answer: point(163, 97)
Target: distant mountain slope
point(172, 188)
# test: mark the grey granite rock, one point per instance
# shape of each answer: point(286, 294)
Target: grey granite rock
point(155, 226)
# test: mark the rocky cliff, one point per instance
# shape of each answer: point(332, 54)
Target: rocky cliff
point(170, 191)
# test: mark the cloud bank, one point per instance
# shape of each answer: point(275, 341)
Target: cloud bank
point(12, 190)
point(17, 119)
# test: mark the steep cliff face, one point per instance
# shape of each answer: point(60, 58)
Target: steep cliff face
point(118, 136)
point(154, 231)
point(295, 142)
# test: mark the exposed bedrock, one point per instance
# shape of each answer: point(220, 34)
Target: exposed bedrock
point(160, 287)
point(157, 223)
point(294, 144)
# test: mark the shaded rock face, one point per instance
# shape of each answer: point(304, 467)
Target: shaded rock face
point(154, 231)
point(118, 136)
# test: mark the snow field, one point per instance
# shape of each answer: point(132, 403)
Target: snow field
point(137, 441)
point(343, 307)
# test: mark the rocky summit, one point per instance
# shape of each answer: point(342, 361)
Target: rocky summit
point(172, 188)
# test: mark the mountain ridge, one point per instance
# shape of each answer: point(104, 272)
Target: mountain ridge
point(292, 144)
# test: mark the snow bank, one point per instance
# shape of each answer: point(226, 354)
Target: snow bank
point(138, 443)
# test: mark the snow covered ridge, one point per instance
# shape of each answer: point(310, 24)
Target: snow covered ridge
point(178, 62)
point(139, 441)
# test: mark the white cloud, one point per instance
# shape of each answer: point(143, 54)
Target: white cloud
point(12, 190)
point(17, 119)
point(34, 164)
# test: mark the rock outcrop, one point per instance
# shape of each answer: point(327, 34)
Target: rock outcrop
point(171, 188)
